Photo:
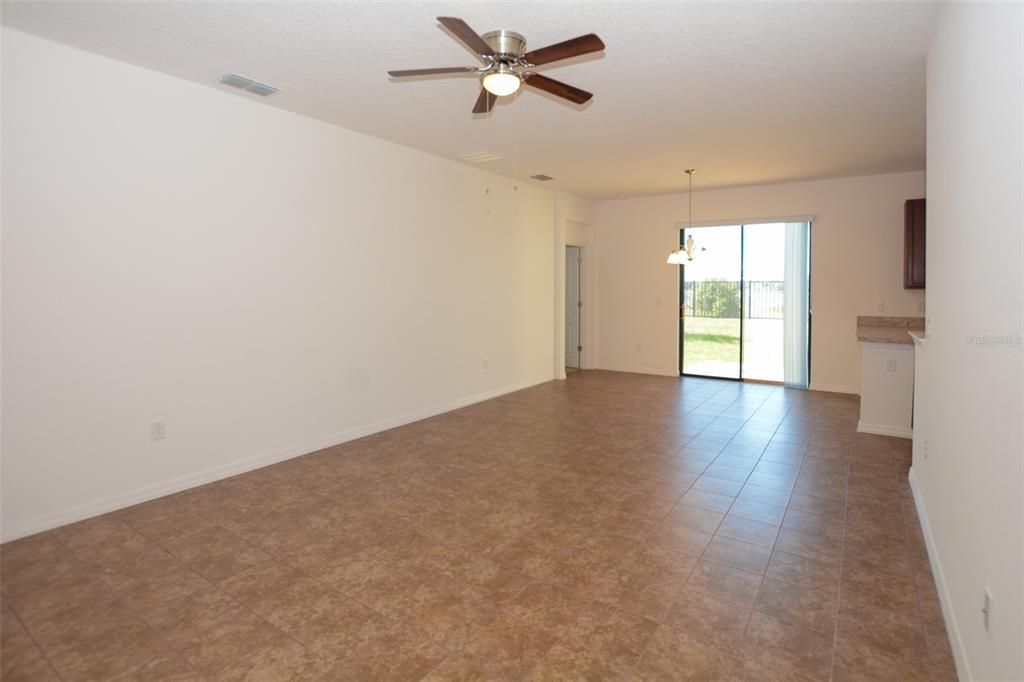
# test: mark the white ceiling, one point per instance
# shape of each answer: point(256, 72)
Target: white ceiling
point(746, 93)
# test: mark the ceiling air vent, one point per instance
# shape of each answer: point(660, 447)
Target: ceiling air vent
point(248, 84)
point(479, 156)
point(542, 177)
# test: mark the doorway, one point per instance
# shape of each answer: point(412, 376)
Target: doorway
point(573, 307)
point(744, 303)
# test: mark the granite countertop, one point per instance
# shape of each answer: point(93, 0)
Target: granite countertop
point(872, 329)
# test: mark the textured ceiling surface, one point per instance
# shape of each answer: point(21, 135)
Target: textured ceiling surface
point(747, 93)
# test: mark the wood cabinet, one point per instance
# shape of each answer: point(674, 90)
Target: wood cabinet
point(913, 244)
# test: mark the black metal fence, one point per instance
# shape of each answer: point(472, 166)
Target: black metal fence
point(721, 298)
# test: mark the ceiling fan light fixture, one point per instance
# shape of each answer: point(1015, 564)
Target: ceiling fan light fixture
point(502, 81)
point(505, 63)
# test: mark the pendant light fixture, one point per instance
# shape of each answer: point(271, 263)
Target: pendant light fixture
point(684, 254)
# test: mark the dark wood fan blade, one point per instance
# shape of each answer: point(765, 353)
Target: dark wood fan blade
point(569, 48)
point(557, 88)
point(431, 72)
point(467, 35)
point(485, 102)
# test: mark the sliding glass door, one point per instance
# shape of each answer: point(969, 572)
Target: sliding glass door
point(744, 302)
point(710, 302)
point(764, 252)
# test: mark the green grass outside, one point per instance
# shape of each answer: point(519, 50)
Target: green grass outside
point(711, 339)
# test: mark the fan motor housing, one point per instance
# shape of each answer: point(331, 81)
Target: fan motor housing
point(506, 43)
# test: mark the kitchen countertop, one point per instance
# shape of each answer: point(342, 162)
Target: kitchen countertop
point(872, 329)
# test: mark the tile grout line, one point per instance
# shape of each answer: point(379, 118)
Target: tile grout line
point(459, 653)
point(661, 623)
point(735, 656)
point(216, 586)
point(277, 558)
point(764, 576)
point(842, 556)
point(921, 620)
point(28, 633)
point(120, 599)
point(774, 547)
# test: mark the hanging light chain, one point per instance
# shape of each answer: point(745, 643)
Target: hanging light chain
point(690, 172)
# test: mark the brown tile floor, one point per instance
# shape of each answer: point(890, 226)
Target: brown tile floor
point(611, 526)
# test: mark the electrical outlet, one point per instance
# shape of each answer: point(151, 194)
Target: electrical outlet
point(486, 363)
point(920, 306)
point(880, 307)
point(986, 608)
point(890, 364)
point(638, 345)
point(158, 430)
point(924, 449)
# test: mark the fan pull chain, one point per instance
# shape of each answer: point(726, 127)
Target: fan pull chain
point(515, 149)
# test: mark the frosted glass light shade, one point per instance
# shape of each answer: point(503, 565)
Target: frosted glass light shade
point(501, 83)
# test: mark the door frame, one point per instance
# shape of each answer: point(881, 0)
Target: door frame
point(681, 231)
point(580, 279)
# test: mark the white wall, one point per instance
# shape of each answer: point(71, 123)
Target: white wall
point(266, 283)
point(857, 264)
point(971, 373)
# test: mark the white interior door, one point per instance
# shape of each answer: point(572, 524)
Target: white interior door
point(573, 306)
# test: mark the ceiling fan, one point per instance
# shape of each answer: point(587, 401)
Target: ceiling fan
point(507, 64)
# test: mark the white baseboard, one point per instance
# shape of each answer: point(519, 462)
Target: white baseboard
point(885, 430)
point(963, 669)
point(834, 388)
point(674, 372)
point(151, 492)
point(640, 370)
